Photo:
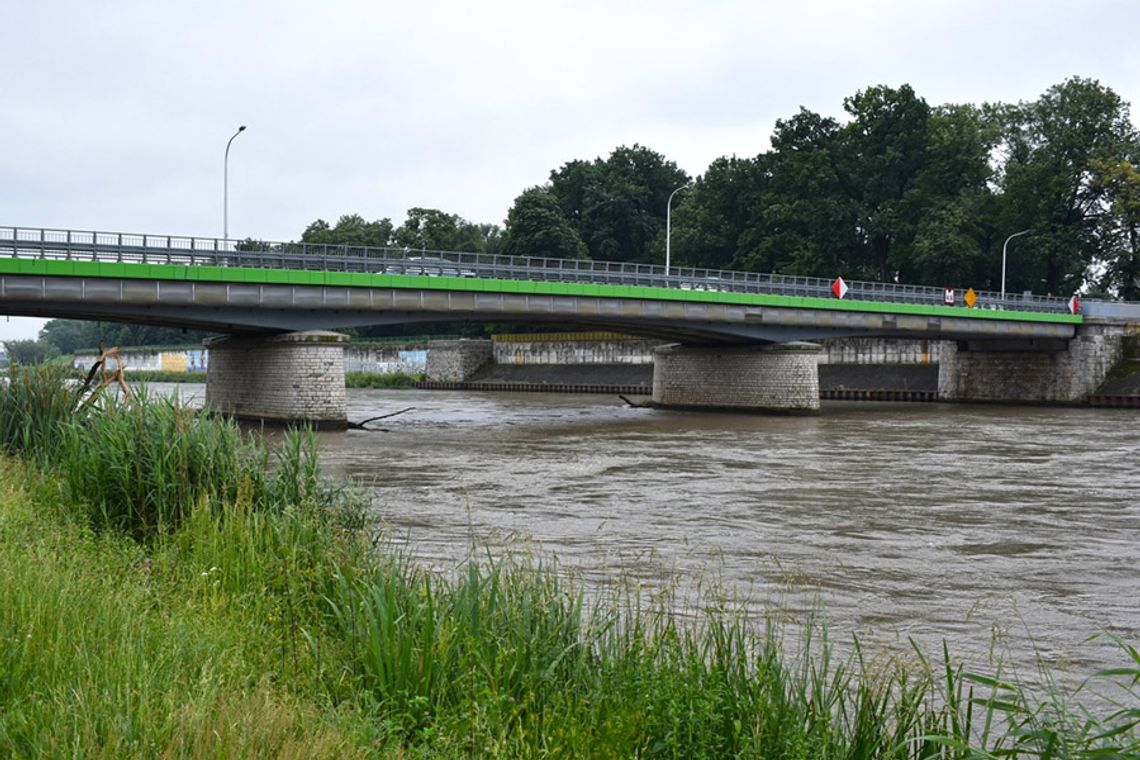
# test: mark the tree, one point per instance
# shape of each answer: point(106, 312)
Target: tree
point(883, 152)
point(1119, 226)
point(899, 192)
point(350, 229)
point(67, 336)
point(809, 220)
point(617, 205)
point(537, 227)
point(1050, 146)
point(27, 352)
point(718, 224)
point(434, 230)
point(954, 238)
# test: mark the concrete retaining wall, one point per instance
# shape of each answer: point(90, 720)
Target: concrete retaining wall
point(452, 361)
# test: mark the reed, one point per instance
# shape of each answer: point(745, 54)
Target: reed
point(34, 402)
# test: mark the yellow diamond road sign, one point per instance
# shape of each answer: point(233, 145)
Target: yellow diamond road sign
point(970, 298)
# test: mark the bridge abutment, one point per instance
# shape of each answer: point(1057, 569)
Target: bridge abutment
point(294, 377)
point(455, 361)
point(777, 377)
point(1030, 371)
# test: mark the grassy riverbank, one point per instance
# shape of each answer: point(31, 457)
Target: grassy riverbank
point(169, 587)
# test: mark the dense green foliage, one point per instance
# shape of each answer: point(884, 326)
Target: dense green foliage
point(425, 228)
point(537, 226)
point(260, 618)
point(71, 335)
point(617, 204)
point(912, 193)
point(28, 352)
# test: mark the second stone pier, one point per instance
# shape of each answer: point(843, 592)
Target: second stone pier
point(776, 377)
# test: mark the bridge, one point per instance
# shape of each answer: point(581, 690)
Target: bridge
point(722, 319)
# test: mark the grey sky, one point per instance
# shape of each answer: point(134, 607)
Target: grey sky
point(116, 114)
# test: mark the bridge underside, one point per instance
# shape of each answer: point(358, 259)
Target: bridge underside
point(237, 309)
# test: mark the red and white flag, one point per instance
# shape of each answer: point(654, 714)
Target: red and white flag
point(1074, 305)
point(839, 288)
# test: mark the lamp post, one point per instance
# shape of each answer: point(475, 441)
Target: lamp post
point(226, 188)
point(669, 223)
point(1003, 247)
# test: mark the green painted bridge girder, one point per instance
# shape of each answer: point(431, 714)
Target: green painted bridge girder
point(251, 276)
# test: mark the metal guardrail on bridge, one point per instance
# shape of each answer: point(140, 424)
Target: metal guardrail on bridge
point(79, 245)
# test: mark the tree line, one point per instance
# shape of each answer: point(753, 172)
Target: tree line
point(897, 191)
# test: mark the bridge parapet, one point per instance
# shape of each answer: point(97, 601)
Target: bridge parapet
point(118, 247)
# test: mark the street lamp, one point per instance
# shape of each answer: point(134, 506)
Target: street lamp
point(226, 188)
point(669, 223)
point(1003, 247)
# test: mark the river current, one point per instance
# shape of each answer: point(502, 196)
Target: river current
point(1004, 531)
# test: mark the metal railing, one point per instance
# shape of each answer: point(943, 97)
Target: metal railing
point(79, 245)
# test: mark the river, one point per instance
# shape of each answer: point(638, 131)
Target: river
point(1004, 529)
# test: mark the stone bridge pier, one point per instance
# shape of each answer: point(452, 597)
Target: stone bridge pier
point(774, 377)
point(290, 378)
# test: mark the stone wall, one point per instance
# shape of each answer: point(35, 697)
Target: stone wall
point(776, 377)
point(284, 378)
point(1023, 371)
point(573, 348)
point(454, 361)
point(880, 351)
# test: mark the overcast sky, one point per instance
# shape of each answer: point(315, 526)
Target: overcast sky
point(115, 115)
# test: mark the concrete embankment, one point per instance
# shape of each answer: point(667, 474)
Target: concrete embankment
point(855, 369)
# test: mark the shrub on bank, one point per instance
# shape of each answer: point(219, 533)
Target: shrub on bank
point(175, 589)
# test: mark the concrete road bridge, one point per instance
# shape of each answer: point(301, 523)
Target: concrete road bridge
point(742, 335)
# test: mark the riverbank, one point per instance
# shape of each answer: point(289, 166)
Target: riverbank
point(177, 589)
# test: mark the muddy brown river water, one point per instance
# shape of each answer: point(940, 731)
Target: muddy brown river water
point(994, 528)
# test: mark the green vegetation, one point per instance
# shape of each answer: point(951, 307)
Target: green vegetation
point(71, 335)
point(162, 376)
point(28, 352)
point(209, 598)
point(379, 380)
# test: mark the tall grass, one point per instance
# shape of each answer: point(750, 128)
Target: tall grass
point(171, 587)
point(380, 379)
point(141, 464)
point(34, 401)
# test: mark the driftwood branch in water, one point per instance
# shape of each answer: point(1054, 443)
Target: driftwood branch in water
point(360, 425)
point(634, 404)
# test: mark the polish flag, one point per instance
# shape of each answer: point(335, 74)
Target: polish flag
point(1074, 305)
